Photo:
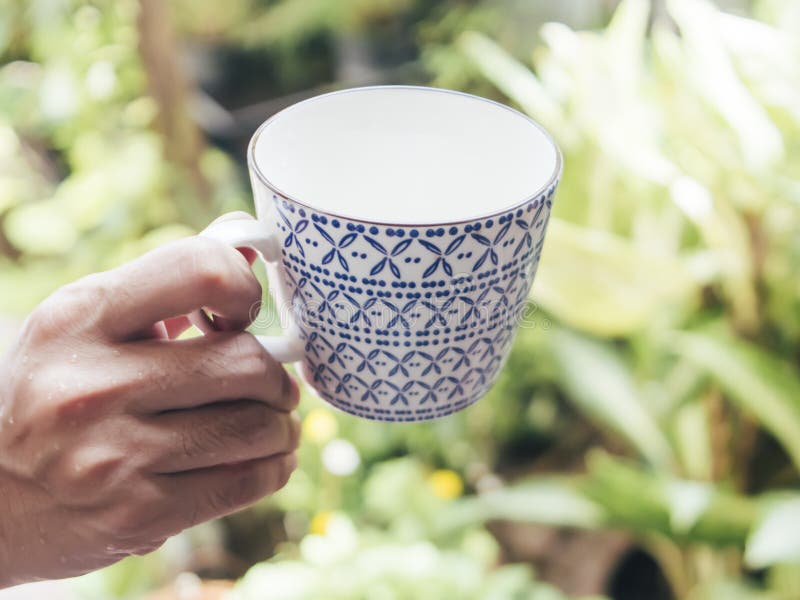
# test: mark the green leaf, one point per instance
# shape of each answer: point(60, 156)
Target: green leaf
point(776, 539)
point(632, 498)
point(551, 501)
point(692, 440)
point(40, 228)
point(514, 79)
point(688, 501)
point(724, 232)
point(714, 76)
point(731, 590)
point(625, 37)
point(601, 385)
point(768, 58)
point(757, 381)
point(646, 502)
point(603, 284)
point(784, 579)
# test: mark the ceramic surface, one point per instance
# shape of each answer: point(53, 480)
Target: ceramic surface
point(405, 323)
point(399, 302)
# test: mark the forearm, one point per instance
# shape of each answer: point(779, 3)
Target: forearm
point(9, 571)
point(25, 537)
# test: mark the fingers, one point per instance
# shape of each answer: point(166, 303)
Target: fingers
point(181, 374)
point(159, 506)
point(218, 322)
point(175, 280)
point(217, 491)
point(173, 327)
point(217, 434)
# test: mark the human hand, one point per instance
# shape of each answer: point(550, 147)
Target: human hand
point(115, 436)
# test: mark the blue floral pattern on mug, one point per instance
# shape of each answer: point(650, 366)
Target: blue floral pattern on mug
point(407, 323)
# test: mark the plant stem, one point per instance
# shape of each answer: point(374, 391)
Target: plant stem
point(170, 88)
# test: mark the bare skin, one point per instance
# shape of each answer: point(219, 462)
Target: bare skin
point(115, 436)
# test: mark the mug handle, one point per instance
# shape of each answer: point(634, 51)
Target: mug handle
point(254, 234)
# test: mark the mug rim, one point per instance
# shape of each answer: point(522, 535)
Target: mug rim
point(552, 179)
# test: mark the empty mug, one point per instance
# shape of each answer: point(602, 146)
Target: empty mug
point(402, 227)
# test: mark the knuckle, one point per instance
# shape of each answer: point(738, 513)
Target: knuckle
point(222, 270)
point(199, 440)
point(211, 278)
point(57, 398)
point(265, 429)
point(242, 423)
point(90, 472)
point(206, 267)
point(252, 357)
point(287, 391)
point(248, 424)
point(224, 499)
point(54, 398)
point(269, 376)
point(277, 375)
point(219, 267)
point(72, 405)
point(37, 388)
point(46, 397)
point(69, 308)
point(41, 325)
point(220, 500)
point(246, 485)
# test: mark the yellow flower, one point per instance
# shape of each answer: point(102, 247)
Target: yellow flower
point(445, 484)
point(320, 425)
point(320, 522)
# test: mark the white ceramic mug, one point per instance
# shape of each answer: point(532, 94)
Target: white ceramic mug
point(402, 227)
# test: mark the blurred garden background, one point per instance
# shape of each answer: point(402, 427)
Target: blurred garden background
point(643, 442)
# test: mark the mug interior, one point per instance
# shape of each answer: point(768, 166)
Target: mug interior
point(404, 155)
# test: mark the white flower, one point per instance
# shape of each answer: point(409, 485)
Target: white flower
point(340, 457)
point(101, 80)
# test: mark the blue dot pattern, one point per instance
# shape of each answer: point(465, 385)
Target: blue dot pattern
point(407, 323)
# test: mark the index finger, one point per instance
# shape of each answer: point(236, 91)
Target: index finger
point(177, 279)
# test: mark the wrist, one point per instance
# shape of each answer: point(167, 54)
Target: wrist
point(9, 575)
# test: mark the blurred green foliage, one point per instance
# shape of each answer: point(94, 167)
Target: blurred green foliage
point(654, 387)
point(84, 183)
point(675, 239)
point(401, 549)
